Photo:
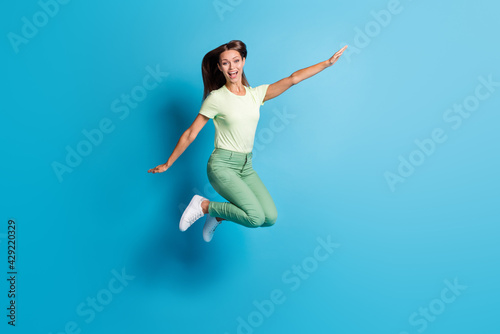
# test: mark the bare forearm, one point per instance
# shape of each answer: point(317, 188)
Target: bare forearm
point(282, 85)
point(184, 141)
point(308, 72)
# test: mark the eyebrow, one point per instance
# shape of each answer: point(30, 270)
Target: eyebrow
point(228, 59)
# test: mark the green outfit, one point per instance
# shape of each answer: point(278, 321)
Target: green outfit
point(229, 167)
point(235, 117)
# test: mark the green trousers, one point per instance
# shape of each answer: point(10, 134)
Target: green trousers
point(231, 174)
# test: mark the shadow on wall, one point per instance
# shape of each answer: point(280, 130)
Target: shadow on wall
point(167, 257)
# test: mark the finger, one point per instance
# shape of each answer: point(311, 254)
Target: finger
point(341, 50)
point(338, 54)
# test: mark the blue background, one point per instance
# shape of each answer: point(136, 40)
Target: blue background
point(325, 167)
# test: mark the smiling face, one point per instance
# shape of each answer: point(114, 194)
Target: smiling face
point(231, 65)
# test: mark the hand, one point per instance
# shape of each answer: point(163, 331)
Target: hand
point(336, 56)
point(158, 169)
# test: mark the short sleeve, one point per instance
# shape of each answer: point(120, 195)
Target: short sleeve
point(260, 94)
point(209, 106)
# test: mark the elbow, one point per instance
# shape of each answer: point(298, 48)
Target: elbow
point(190, 135)
point(293, 79)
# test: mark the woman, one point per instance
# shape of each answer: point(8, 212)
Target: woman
point(234, 107)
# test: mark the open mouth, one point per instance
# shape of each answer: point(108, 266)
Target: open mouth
point(233, 74)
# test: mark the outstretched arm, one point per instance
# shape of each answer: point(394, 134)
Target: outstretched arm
point(184, 141)
point(281, 86)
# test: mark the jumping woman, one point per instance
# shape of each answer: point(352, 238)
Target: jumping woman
point(234, 107)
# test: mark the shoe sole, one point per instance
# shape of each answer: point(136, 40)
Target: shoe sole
point(204, 229)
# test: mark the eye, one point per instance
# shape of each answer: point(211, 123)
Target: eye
point(237, 60)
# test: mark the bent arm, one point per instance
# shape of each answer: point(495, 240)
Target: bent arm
point(281, 86)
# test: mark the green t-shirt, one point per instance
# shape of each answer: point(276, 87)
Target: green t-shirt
point(235, 117)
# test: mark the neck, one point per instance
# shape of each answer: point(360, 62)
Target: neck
point(235, 87)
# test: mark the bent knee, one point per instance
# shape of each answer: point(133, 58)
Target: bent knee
point(256, 220)
point(270, 220)
point(261, 219)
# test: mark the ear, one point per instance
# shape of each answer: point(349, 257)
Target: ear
point(218, 65)
point(244, 61)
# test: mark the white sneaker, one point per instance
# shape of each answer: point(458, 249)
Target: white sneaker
point(209, 228)
point(192, 213)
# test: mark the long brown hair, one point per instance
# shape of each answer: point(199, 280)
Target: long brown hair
point(213, 78)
